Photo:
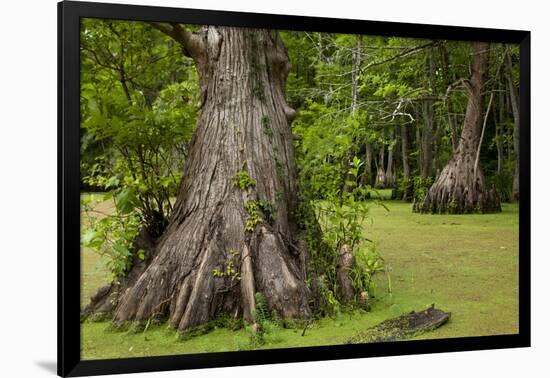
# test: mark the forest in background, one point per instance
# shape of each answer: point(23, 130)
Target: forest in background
point(368, 113)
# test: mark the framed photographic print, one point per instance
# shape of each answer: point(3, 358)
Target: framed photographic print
point(240, 188)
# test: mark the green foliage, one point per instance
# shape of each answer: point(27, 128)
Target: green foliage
point(261, 312)
point(243, 181)
point(342, 215)
point(230, 271)
point(138, 109)
point(139, 104)
point(420, 187)
point(268, 210)
point(259, 91)
point(254, 216)
point(406, 188)
point(330, 306)
point(229, 322)
point(368, 263)
point(255, 210)
point(502, 183)
point(112, 236)
point(266, 327)
point(266, 123)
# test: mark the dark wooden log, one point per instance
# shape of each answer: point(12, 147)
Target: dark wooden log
point(403, 327)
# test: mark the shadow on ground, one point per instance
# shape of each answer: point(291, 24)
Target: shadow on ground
point(50, 366)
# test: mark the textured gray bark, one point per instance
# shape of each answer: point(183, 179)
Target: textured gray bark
point(418, 145)
point(368, 164)
point(460, 188)
point(244, 124)
point(427, 138)
point(405, 152)
point(356, 64)
point(390, 175)
point(515, 111)
point(380, 181)
point(429, 120)
point(344, 264)
point(498, 122)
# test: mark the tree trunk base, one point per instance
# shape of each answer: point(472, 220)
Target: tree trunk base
point(212, 280)
point(459, 189)
point(105, 300)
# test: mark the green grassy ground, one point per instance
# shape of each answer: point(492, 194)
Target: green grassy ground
point(465, 264)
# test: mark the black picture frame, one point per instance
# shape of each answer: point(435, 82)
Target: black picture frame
point(69, 361)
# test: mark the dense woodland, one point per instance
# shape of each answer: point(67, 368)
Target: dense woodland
point(243, 162)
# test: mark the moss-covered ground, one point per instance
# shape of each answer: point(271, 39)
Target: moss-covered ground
point(465, 264)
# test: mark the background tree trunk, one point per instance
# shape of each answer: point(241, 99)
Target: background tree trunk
point(408, 187)
point(460, 188)
point(418, 145)
point(449, 78)
point(515, 111)
point(344, 263)
point(499, 121)
point(368, 164)
point(244, 126)
point(390, 177)
point(427, 138)
point(355, 66)
point(429, 120)
point(405, 151)
point(380, 181)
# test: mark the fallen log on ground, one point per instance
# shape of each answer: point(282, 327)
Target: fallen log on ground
point(403, 327)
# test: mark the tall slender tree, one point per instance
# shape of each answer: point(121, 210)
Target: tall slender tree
point(461, 188)
point(515, 110)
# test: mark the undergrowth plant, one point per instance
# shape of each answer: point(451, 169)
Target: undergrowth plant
point(112, 236)
point(266, 326)
point(339, 219)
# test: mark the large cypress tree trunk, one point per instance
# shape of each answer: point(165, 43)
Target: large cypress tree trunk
point(227, 238)
point(460, 188)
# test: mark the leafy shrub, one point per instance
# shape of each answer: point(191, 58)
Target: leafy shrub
point(367, 264)
point(265, 327)
point(406, 189)
point(421, 186)
point(502, 183)
point(113, 236)
point(341, 217)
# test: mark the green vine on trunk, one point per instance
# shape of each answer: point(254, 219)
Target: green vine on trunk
point(229, 271)
point(243, 181)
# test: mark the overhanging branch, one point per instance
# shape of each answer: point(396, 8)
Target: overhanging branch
point(191, 42)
